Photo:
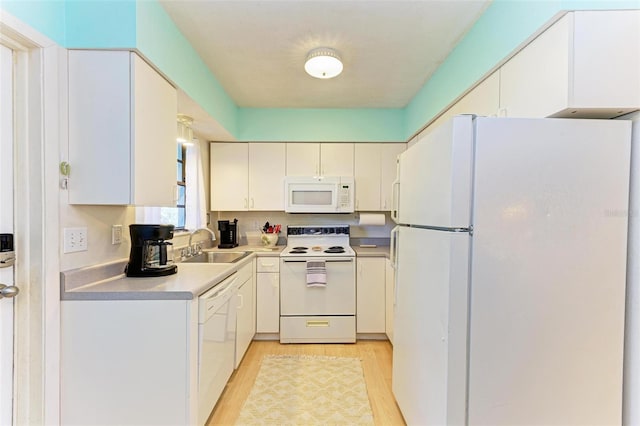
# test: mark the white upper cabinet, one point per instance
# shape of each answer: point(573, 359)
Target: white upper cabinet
point(320, 159)
point(368, 176)
point(584, 65)
point(336, 159)
point(484, 99)
point(375, 171)
point(303, 159)
point(122, 131)
point(389, 171)
point(247, 176)
point(266, 176)
point(229, 176)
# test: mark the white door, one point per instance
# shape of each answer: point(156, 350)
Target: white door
point(435, 177)
point(430, 326)
point(6, 226)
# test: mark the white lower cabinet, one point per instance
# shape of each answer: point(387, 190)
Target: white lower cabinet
point(129, 362)
point(267, 295)
point(245, 319)
point(370, 295)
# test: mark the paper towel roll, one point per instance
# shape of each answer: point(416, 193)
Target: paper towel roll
point(371, 219)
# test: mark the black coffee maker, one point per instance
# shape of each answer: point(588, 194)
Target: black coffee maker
point(151, 254)
point(228, 233)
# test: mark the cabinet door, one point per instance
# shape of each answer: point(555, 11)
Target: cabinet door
point(303, 159)
point(135, 369)
point(229, 176)
point(370, 301)
point(245, 324)
point(606, 60)
point(122, 130)
point(390, 302)
point(534, 83)
point(388, 170)
point(268, 302)
point(336, 159)
point(100, 127)
point(367, 173)
point(267, 162)
point(155, 107)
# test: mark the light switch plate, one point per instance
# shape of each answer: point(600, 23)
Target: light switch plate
point(116, 234)
point(75, 239)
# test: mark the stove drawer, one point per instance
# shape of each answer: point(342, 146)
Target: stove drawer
point(318, 329)
point(338, 297)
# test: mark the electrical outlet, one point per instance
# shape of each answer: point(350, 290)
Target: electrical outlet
point(75, 239)
point(116, 234)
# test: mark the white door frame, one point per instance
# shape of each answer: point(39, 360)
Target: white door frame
point(6, 226)
point(37, 150)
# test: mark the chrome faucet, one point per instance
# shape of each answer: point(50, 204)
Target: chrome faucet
point(213, 236)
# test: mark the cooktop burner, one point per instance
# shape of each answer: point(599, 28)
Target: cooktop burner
point(297, 251)
point(300, 248)
point(336, 248)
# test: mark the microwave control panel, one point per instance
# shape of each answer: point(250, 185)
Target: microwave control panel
point(345, 196)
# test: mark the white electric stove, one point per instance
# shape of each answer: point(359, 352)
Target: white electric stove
point(311, 313)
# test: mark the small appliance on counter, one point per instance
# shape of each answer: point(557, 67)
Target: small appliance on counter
point(151, 254)
point(228, 233)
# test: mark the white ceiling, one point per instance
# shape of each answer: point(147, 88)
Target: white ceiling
point(390, 48)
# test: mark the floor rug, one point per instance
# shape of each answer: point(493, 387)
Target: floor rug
point(308, 390)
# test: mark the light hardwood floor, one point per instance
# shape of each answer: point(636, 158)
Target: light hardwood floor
point(376, 363)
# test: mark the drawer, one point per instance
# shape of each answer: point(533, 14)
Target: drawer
point(319, 329)
point(267, 264)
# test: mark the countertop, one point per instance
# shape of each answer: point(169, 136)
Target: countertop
point(107, 282)
point(380, 251)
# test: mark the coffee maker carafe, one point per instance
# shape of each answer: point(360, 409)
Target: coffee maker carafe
point(228, 233)
point(151, 254)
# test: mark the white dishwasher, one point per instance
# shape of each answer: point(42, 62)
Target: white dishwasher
point(216, 343)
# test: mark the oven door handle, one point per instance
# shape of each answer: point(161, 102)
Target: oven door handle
point(326, 260)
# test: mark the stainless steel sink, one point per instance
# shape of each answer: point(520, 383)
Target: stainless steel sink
point(218, 257)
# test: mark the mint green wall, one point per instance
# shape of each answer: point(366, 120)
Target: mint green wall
point(143, 24)
point(164, 45)
point(503, 27)
point(322, 125)
point(46, 16)
point(100, 24)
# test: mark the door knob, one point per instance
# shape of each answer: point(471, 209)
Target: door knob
point(8, 291)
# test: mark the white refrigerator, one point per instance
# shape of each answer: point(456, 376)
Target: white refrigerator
point(510, 256)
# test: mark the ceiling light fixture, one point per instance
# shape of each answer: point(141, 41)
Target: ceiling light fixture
point(185, 133)
point(323, 62)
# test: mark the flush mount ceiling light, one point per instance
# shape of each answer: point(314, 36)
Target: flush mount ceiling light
point(323, 62)
point(185, 133)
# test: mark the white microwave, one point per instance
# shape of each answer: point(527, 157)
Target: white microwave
point(325, 194)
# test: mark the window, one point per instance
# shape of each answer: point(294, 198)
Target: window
point(177, 215)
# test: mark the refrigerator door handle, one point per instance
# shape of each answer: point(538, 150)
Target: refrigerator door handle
point(395, 202)
point(393, 254)
point(393, 257)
